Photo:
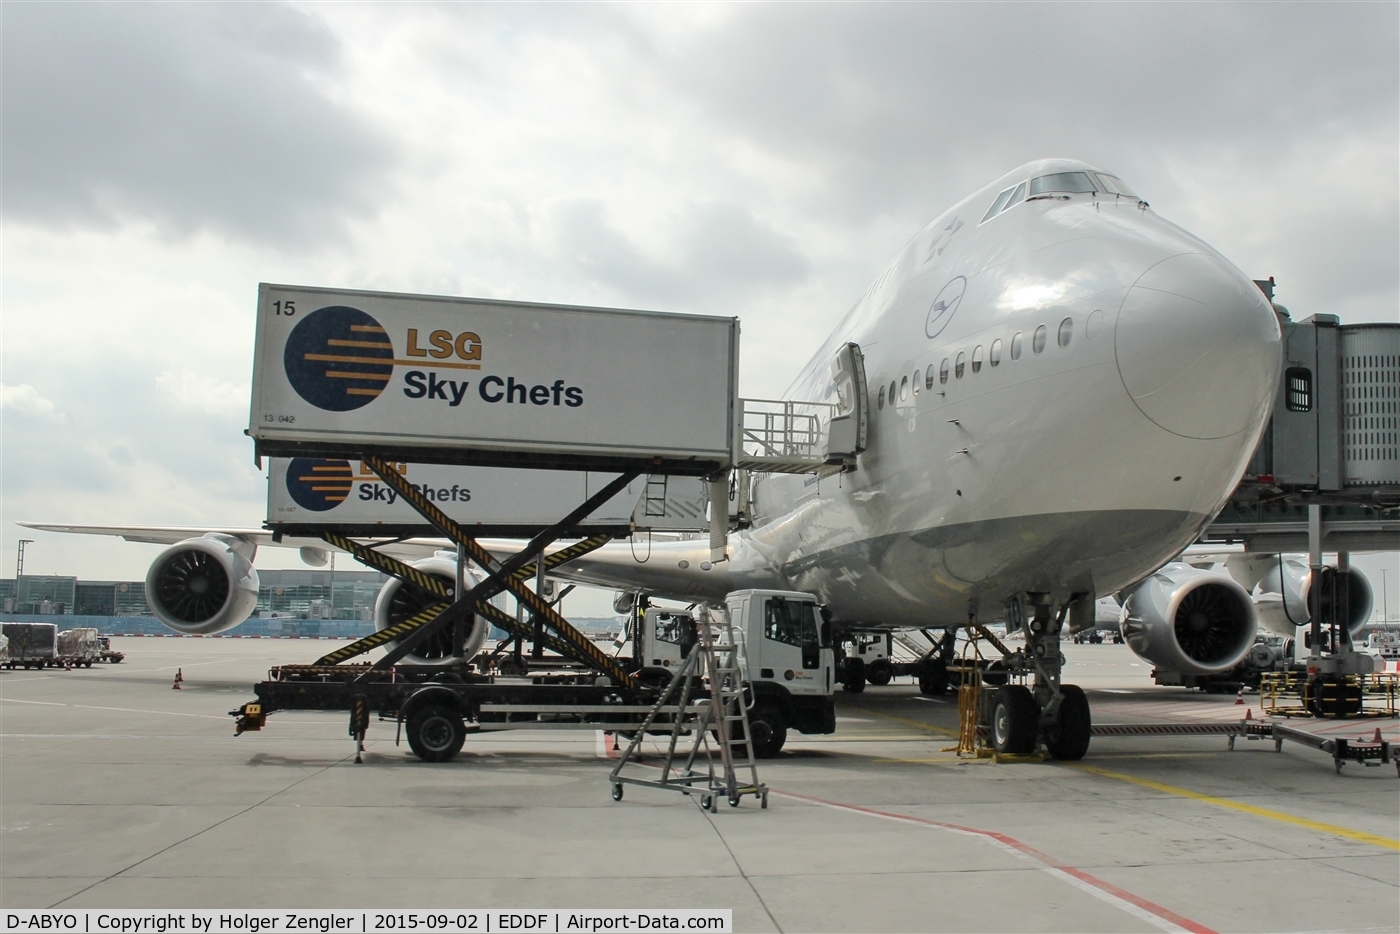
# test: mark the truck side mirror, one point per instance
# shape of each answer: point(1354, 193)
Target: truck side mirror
point(826, 634)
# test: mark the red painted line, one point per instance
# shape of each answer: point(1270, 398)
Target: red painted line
point(1108, 888)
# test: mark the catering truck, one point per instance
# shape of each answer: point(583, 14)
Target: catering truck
point(784, 650)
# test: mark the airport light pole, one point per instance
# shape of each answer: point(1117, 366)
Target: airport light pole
point(19, 558)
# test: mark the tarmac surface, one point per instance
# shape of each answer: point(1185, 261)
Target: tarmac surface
point(117, 792)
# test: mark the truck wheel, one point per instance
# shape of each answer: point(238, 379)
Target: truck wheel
point(436, 734)
point(767, 729)
point(855, 675)
point(1070, 741)
point(933, 677)
point(880, 673)
point(1015, 720)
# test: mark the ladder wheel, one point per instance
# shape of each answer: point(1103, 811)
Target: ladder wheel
point(707, 802)
point(617, 792)
point(734, 801)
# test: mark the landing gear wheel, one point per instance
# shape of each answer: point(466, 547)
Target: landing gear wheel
point(436, 734)
point(617, 792)
point(1015, 720)
point(855, 675)
point(767, 730)
point(1070, 740)
point(933, 677)
point(880, 674)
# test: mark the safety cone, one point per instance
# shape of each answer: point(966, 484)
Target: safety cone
point(68, 664)
point(1377, 738)
point(179, 676)
point(1249, 713)
point(1239, 698)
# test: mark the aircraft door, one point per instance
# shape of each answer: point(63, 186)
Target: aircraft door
point(847, 432)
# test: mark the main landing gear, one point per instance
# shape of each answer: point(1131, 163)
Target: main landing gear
point(1021, 717)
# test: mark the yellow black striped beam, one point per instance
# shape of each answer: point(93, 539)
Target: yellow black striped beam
point(434, 585)
point(510, 624)
point(375, 639)
point(583, 648)
point(391, 566)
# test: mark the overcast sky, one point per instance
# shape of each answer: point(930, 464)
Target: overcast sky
point(759, 160)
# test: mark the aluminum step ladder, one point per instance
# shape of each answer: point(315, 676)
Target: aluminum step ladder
point(723, 718)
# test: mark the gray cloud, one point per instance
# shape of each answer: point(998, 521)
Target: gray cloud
point(191, 116)
point(714, 251)
point(924, 102)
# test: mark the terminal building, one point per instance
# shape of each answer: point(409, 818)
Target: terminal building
point(334, 603)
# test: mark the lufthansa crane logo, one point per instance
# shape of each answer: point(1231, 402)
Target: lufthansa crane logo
point(946, 302)
point(318, 484)
point(338, 358)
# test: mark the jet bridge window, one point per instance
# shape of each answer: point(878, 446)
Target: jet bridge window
point(1062, 181)
point(1299, 382)
point(790, 621)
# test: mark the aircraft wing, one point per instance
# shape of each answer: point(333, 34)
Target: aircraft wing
point(407, 550)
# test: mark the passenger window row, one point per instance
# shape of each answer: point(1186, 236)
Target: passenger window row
point(907, 386)
point(1060, 182)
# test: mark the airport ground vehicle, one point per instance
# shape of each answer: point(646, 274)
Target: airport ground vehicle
point(110, 654)
point(78, 647)
point(32, 645)
point(786, 652)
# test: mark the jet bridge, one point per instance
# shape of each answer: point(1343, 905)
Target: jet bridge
point(1333, 441)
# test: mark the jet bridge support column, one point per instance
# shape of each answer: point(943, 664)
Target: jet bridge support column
point(718, 488)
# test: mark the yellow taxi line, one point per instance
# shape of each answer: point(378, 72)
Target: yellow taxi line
point(1347, 832)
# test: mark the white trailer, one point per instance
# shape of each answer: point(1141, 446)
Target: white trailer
point(345, 495)
point(475, 381)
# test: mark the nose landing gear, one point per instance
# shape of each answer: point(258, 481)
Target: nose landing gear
point(1018, 718)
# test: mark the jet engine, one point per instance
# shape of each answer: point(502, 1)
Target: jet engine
point(397, 602)
point(203, 585)
point(1189, 620)
point(1283, 597)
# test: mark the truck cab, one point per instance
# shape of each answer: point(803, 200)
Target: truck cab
point(785, 653)
point(864, 655)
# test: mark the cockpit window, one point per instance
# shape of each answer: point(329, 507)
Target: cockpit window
point(1017, 196)
point(1063, 181)
point(997, 205)
point(1114, 186)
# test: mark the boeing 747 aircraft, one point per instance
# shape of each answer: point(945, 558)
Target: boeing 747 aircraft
point(1062, 387)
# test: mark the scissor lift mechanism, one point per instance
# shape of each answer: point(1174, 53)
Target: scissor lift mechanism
point(597, 691)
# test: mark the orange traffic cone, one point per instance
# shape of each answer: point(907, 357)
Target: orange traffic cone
point(1377, 738)
point(1249, 713)
point(1239, 698)
point(179, 676)
point(68, 664)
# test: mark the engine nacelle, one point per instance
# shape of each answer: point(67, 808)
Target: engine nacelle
point(1283, 597)
point(397, 603)
point(1189, 620)
point(203, 585)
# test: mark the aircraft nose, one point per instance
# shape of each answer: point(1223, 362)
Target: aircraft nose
point(1198, 347)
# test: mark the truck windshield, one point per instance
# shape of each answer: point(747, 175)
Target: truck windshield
point(790, 621)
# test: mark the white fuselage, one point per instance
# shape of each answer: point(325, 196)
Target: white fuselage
point(1072, 467)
